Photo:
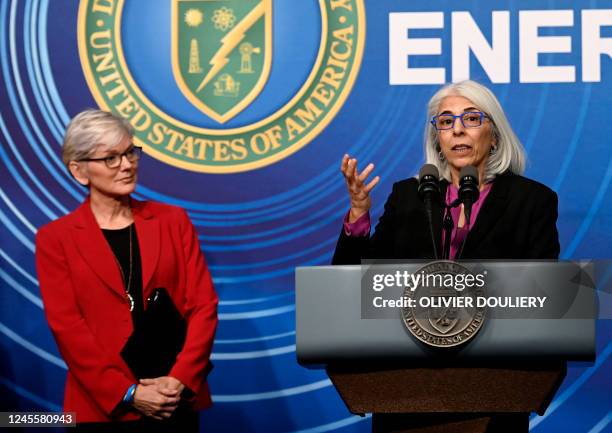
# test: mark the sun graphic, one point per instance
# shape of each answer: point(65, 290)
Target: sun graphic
point(194, 17)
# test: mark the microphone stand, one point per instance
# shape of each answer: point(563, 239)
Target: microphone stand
point(429, 190)
point(448, 226)
point(469, 193)
point(429, 211)
point(468, 216)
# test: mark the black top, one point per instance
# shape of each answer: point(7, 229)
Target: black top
point(516, 221)
point(119, 241)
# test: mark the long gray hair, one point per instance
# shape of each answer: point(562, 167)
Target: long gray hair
point(509, 154)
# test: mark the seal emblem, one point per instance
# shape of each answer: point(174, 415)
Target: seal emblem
point(233, 115)
point(237, 36)
point(441, 315)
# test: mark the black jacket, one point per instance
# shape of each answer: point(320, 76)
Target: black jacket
point(516, 221)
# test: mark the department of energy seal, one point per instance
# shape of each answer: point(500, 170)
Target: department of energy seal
point(205, 91)
point(444, 311)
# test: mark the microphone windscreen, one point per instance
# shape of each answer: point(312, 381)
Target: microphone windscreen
point(429, 170)
point(469, 170)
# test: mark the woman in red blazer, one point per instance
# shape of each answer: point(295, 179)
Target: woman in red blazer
point(98, 265)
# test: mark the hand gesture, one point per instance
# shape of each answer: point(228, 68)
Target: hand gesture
point(359, 191)
point(165, 384)
point(154, 403)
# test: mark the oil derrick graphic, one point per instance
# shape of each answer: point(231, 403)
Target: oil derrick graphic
point(194, 58)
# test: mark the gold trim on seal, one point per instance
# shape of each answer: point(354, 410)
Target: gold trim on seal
point(150, 150)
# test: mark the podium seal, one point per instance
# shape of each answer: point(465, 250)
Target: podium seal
point(444, 311)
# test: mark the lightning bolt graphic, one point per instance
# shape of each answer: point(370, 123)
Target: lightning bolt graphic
point(231, 41)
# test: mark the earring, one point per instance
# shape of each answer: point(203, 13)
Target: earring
point(440, 156)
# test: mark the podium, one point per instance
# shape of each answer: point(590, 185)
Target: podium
point(510, 368)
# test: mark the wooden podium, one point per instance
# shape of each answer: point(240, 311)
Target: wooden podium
point(448, 399)
point(511, 368)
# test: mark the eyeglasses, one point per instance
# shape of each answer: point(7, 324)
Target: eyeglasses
point(469, 119)
point(132, 154)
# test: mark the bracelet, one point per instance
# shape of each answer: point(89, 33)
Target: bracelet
point(128, 398)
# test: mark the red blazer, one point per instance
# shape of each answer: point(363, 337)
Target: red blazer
point(87, 309)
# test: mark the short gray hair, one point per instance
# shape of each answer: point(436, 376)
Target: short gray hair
point(90, 129)
point(509, 155)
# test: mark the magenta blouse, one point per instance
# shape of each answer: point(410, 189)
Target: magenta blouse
point(362, 226)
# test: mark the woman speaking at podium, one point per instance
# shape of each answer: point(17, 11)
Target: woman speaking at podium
point(99, 266)
point(513, 217)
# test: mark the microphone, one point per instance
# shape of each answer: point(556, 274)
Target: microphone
point(468, 189)
point(429, 190)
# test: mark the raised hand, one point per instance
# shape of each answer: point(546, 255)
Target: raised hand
point(359, 191)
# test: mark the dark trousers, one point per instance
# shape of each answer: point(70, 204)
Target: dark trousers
point(182, 421)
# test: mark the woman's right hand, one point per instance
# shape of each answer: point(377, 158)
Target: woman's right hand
point(155, 403)
point(359, 191)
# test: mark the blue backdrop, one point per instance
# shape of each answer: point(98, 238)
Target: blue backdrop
point(257, 226)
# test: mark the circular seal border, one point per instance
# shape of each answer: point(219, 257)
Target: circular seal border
point(409, 311)
point(327, 117)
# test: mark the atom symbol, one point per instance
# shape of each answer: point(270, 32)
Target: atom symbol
point(224, 19)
